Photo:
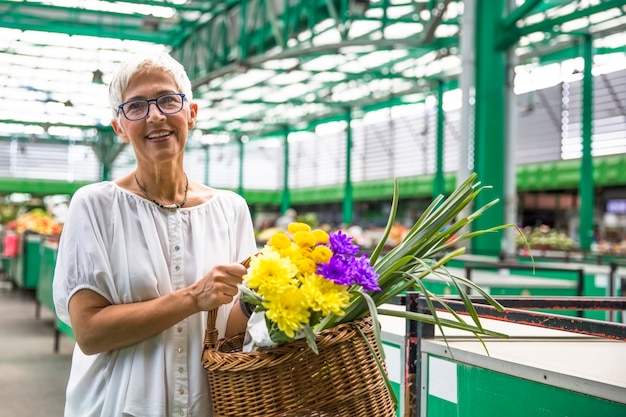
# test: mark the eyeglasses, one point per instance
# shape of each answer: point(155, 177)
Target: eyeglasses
point(139, 109)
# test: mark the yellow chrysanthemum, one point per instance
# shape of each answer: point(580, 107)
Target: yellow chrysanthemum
point(321, 236)
point(270, 273)
point(321, 254)
point(304, 239)
point(324, 295)
point(279, 241)
point(306, 265)
point(298, 227)
point(293, 251)
point(288, 311)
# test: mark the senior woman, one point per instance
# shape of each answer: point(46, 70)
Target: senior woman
point(142, 258)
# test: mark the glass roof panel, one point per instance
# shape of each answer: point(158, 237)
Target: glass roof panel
point(58, 56)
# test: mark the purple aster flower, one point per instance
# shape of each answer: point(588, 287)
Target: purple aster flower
point(364, 274)
point(337, 270)
point(340, 243)
point(349, 270)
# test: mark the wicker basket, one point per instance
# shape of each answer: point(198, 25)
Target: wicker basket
point(291, 380)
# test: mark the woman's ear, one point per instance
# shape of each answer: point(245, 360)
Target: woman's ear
point(193, 113)
point(117, 128)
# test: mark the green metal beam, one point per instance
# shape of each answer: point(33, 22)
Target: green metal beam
point(587, 187)
point(609, 171)
point(348, 198)
point(285, 200)
point(241, 145)
point(439, 183)
point(490, 122)
point(513, 34)
point(81, 21)
point(522, 11)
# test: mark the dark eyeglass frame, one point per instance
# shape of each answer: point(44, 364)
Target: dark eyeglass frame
point(152, 100)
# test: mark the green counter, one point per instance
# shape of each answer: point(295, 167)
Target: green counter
point(27, 273)
point(538, 372)
point(549, 279)
point(47, 262)
point(47, 258)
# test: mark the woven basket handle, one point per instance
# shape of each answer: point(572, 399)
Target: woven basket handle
point(210, 335)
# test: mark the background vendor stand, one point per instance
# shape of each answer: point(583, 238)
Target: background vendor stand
point(551, 365)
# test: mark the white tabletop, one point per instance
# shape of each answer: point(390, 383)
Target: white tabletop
point(586, 364)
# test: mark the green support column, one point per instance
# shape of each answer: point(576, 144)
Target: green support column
point(207, 162)
point(241, 142)
point(107, 149)
point(106, 171)
point(586, 190)
point(439, 187)
point(105, 145)
point(285, 199)
point(348, 199)
point(490, 122)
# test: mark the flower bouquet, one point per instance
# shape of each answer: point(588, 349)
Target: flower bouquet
point(316, 299)
point(297, 279)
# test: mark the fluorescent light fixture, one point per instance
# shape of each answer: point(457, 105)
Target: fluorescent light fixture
point(281, 64)
point(288, 78)
point(324, 63)
point(403, 30)
point(363, 27)
point(247, 79)
point(330, 36)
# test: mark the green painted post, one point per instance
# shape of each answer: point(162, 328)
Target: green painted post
point(241, 141)
point(207, 162)
point(586, 189)
point(348, 199)
point(285, 200)
point(106, 170)
point(439, 183)
point(490, 122)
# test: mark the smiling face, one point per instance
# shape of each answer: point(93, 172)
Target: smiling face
point(158, 137)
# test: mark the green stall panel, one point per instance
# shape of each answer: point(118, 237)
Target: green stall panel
point(16, 270)
point(485, 393)
point(393, 335)
point(537, 372)
point(48, 258)
point(31, 258)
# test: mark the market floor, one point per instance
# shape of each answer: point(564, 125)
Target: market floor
point(32, 376)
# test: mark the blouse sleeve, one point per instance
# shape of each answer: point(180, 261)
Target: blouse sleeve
point(81, 258)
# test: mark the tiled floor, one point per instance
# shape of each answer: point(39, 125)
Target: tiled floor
point(32, 376)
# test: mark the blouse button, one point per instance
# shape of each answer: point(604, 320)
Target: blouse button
point(182, 412)
point(181, 369)
point(180, 329)
point(181, 391)
point(177, 267)
point(180, 350)
point(177, 247)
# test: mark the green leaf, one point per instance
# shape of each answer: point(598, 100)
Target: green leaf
point(249, 296)
point(427, 318)
point(436, 233)
point(310, 338)
point(392, 218)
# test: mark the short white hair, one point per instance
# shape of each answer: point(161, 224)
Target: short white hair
point(160, 61)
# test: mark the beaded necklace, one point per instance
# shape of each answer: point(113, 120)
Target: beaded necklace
point(170, 207)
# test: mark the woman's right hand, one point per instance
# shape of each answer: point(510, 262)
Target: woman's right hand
point(219, 286)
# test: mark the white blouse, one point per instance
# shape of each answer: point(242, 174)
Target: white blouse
point(127, 250)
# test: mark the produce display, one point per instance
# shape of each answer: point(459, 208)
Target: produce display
point(544, 237)
point(36, 221)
